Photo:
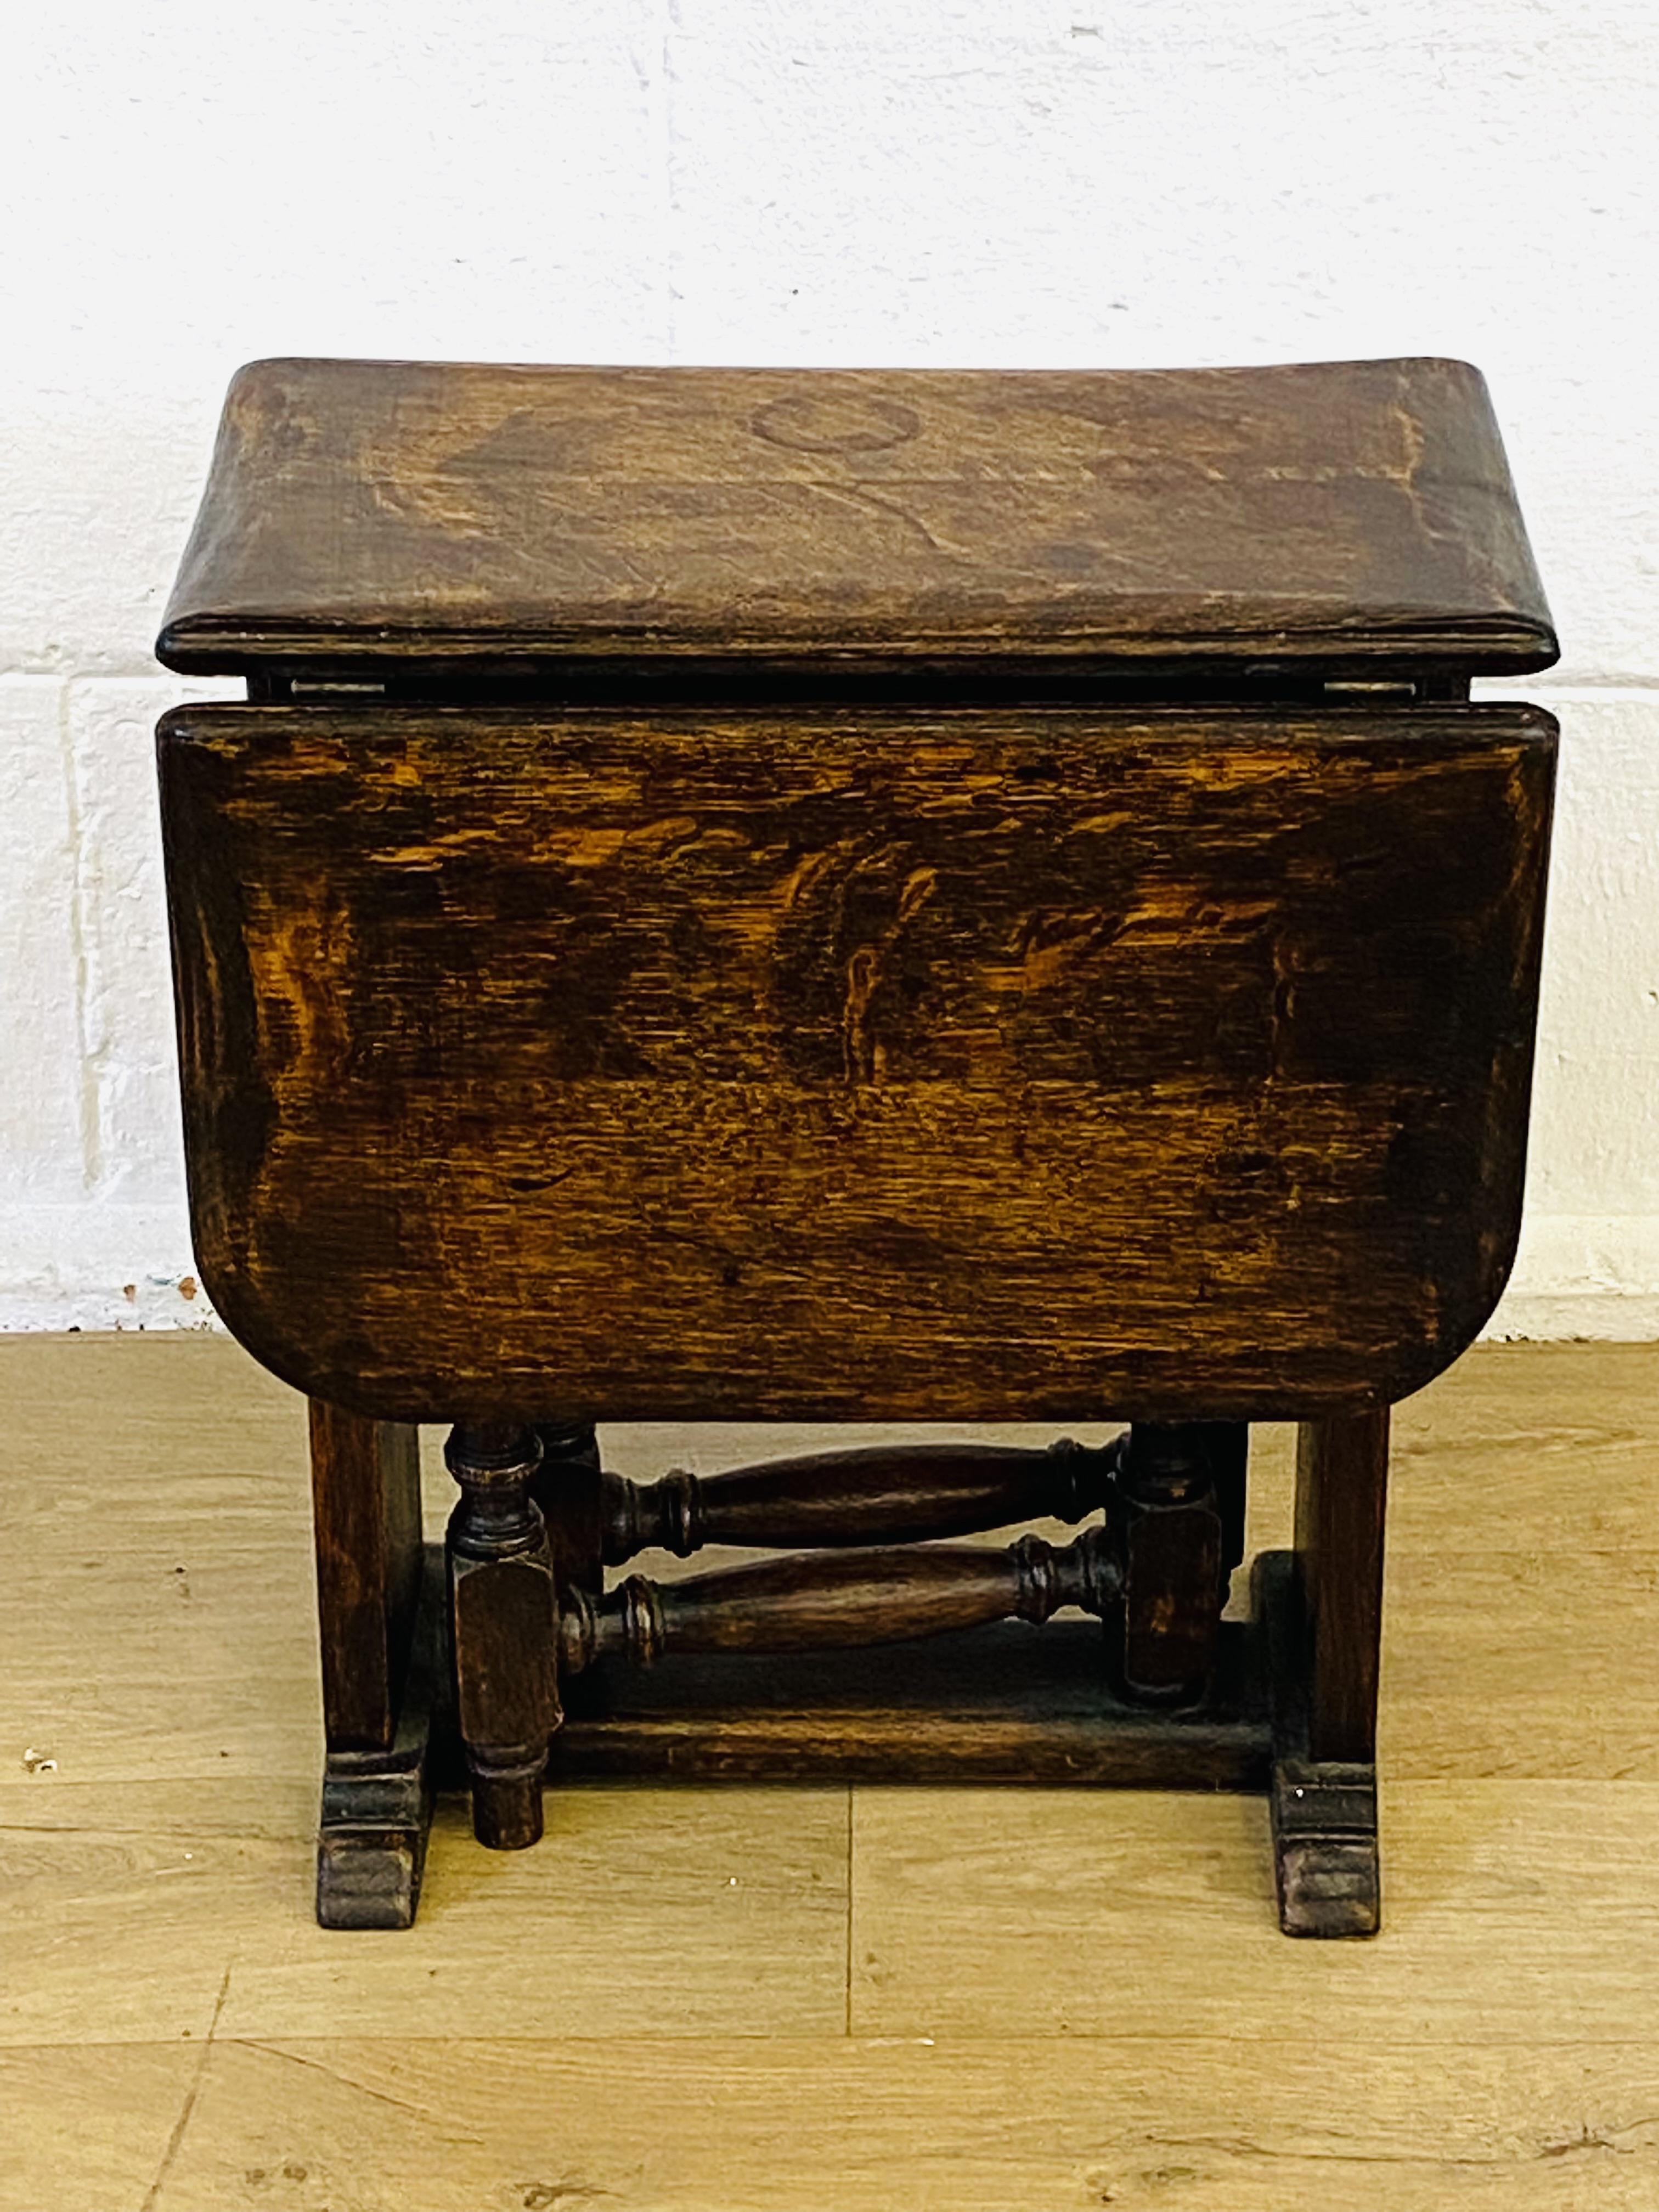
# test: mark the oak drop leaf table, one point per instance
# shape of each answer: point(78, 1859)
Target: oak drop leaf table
point(850, 897)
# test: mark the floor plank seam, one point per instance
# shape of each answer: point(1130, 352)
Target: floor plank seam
point(274, 2047)
point(154, 2197)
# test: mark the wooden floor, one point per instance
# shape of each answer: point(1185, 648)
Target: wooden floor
point(886, 1999)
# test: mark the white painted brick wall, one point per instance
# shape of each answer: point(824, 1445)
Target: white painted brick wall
point(42, 1086)
point(975, 182)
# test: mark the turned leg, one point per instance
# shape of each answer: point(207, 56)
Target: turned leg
point(1324, 1611)
point(568, 1487)
point(501, 1609)
point(379, 1643)
point(1172, 1541)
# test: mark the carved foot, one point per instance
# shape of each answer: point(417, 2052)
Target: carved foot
point(376, 1805)
point(1327, 1865)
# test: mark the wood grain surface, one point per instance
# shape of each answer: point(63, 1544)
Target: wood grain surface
point(1477, 1873)
point(1047, 2000)
point(1341, 1493)
point(985, 1064)
point(735, 2125)
point(994, 1706)
point(1349, 512)
point(365, 1513)
point(911, 1496)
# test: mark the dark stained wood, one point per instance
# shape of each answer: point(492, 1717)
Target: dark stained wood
point(1327, 1858)
point(1228, 1443)
point(872, 1495)
point(1010, 1703)
point(376, 1805)
point(1327, 1865)
point(740, 894)
point(375, 513)
point(366, 1504)
point(566, 1487)
point(1169, 1536)
point(1171, 1066)
point(1341, 1494)
point(808, 1602)
point(500, 1610)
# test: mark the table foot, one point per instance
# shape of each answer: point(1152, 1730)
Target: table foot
point(506, 1809)
point(1327, 1865)
point(376, 1805)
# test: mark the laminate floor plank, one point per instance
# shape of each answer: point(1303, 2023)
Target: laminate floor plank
point(679, 1912)
point(1529, 1446)
point(135, 1684)
point(706, 1997)
point(88, 2127)
point(121, 1903)
point(142, 1909)
point(760, 2124)
point(1513, 1911)
point(1504, 1664)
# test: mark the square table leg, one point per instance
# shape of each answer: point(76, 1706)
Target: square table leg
point(1322, 1608)
point(380, 1616)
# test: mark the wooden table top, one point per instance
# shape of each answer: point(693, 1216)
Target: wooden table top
point(1343, 513)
